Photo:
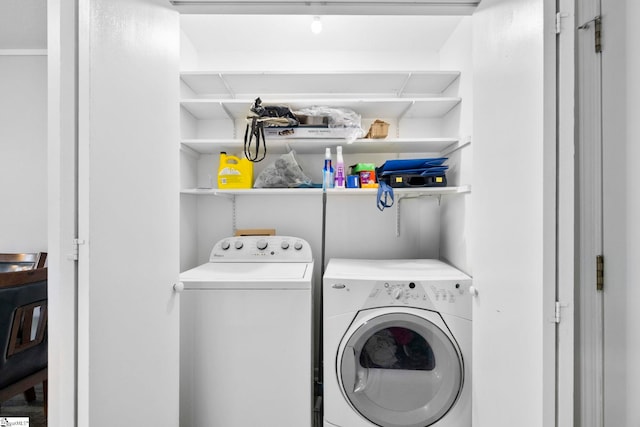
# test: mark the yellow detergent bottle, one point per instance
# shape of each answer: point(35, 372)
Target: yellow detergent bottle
point(234, 173)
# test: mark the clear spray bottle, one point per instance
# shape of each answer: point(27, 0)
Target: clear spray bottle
point(327, 171)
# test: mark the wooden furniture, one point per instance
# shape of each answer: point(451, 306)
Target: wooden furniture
point(25, 261)
point(23, 332)
point(19, 262)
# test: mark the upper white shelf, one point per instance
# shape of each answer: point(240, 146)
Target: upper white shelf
point(388, 94)
point(383, 84)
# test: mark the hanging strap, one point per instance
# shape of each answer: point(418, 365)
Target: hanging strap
point(255, 129)
point(385, 196)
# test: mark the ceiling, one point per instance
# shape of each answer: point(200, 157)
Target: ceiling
point(23, 24)
point(244, 33)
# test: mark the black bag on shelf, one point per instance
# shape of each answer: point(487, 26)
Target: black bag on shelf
point(265, 115)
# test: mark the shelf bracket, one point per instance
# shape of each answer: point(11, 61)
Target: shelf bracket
point(401, 115)
point(404, 85)
point(226, 110)
point(454, 147)
point(232, 95)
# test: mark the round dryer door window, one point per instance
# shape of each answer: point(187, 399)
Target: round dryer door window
point(399, 369)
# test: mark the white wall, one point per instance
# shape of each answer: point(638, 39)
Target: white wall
point(621, 193)
point(23, 153)
point(285, 42)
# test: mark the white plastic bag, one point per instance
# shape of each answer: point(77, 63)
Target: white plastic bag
point(283, 173)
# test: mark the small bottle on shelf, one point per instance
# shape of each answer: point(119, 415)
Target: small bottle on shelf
point(340, 175)
point(327, 171)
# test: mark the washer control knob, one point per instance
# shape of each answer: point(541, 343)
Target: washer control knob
point(262, 244)
point(239, 244)
point(397, 293)
point(297, 246)
point(473, 291)
point(284, 245)
point(225, 245)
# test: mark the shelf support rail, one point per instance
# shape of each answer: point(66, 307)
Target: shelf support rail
point(228, 113)
point(234, 225)
point(403, 197)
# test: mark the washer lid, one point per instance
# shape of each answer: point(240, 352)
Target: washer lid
point(400, 369)
point(248, 276)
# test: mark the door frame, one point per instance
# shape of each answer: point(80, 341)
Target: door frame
point(589, 217)
point(62, 148)
point(566, 213)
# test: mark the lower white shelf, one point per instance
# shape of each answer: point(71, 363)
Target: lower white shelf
point(421, 191)
point(317, 146)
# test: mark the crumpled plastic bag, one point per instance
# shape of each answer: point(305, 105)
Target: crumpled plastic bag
point(285, 172)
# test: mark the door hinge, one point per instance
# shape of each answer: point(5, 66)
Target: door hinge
point(75, 248)
point(597, 33)
point(599, 272)
point(558, 311)
point(559, 17)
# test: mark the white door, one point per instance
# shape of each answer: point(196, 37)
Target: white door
point(514, 213)
point(128, 60)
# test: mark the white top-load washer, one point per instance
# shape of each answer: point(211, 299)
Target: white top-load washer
point(396, 344)
point(246, 335)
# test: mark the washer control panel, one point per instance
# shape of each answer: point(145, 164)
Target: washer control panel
point(261, 249)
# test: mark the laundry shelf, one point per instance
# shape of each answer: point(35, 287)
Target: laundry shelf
point(295, 84)
point(317, 146)
point(422, 191)
point(238, 109)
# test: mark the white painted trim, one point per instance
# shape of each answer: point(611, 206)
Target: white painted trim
point(62, 213)
point(589, 128)
point(84, 123)
point(549, 214)
point(566, 216)
point(23, 52)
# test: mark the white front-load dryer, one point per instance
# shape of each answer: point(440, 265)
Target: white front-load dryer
point(396, 344)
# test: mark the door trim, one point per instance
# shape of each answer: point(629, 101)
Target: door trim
point(589, 358)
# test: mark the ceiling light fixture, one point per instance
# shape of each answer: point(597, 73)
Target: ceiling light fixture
point(316, 25)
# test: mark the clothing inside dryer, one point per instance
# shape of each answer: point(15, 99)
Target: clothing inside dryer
point(397, 348)
point(401, 370)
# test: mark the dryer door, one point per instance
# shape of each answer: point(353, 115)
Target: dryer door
point(400, 367)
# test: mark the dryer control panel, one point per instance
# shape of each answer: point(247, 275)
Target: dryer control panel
point(432, 295)
point(407, 293)
point(261, 249)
